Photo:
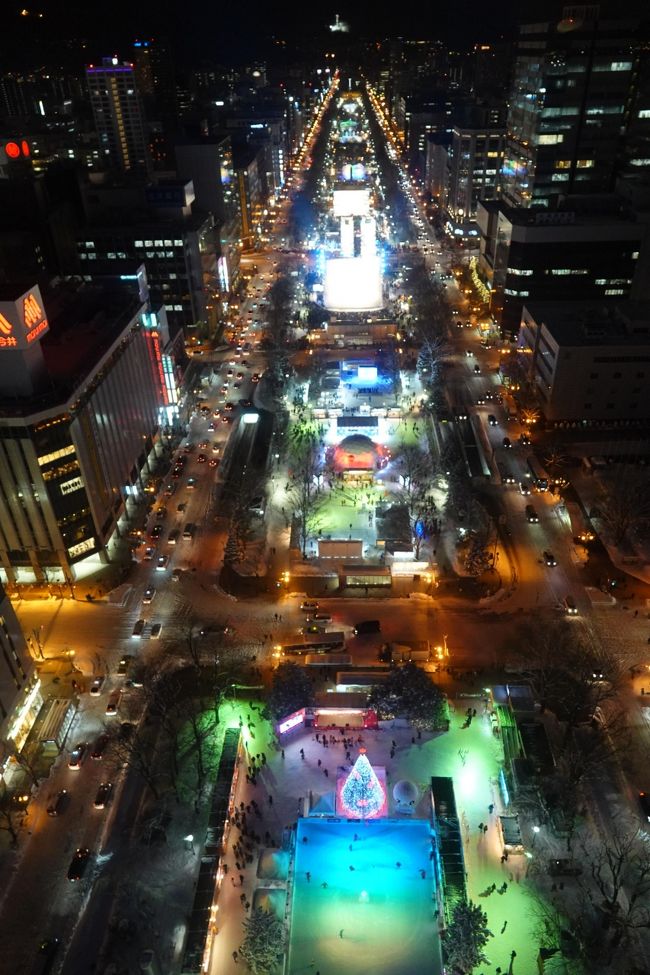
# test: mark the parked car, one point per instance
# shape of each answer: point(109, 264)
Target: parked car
point(58, 804)
point(78, 864)
point(96, 686)
point(319, 618)
point(309, 606)
point(138, 629)
point(123, 665)
point(156, 630)
point(367, 626)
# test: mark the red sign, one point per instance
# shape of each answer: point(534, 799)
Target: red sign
point(6, 328)
point(32, 311)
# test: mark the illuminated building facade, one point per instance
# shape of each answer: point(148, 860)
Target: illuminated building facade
point(83, 386)
point(118, 115)
point(573, 84)
point(20, 696)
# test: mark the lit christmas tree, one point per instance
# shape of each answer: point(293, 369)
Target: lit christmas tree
point(362, 795)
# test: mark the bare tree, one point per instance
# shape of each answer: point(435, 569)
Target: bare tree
point(307, 474)
point(12, 815)
point(416, 473)
point(623, 504)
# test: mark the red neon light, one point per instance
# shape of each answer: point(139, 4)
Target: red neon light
point(5, 327)
point(32, 311)
point(154, 340)
point(35, 332)
point(13, 150)
point(24, 145)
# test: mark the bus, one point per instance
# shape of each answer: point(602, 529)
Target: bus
point(312, 643)
point(580, 526)
point(537, 474)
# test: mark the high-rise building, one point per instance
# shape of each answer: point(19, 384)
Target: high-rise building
point(569, 106)
point(588, 249)
point(474, 170)
point(81, 405)
point(118, 115)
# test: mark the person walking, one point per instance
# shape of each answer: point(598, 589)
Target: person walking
point(235, 956)
point(308, 876)
point(503, 927)
point(341, 932)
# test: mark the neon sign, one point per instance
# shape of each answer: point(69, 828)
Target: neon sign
point(32, 311)
point(291, 722)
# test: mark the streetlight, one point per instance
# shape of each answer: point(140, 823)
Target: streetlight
point(189, 842)
point(536, 830)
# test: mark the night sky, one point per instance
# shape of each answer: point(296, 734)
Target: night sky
point(233, 31)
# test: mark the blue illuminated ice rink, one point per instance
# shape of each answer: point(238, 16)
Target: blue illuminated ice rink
point(384, 913)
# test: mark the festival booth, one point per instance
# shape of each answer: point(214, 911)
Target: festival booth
point(326, 717)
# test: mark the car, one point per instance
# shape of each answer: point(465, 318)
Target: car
point(211, 427)
point(312, 628)
point(156, 630)
point(202, 458)
point(216, 412)
point(103, 795)
point(191, 483)
point(172, 538)
point(161, 513)
point(367, 626)
point(319, 618)
point(506, 442)
point(245, 403)
point(176, 575)
point(138, 627)
point(113, 703)
point(240, 375)
point(162, 563)
point(148, 554)
point(77, 755)
point(644, 802)
point(309, 606)
point(98, 749)
point(549, 558)
point(524, 488)
point(564, 868)
point(204, 444)
point(492, 420)
point(489, 395)
point(226, 418)
point(58, 804)
point(480, 401)
point(188, 531)
point(216, 448)
point(229, 407)
point(468, 353)
point(236, 385)
point(78, 864)
point(169, 490)
point(229, 373)
point(213, 462)
point(47, 952)
point(531, 515)
point(255, 378)
point(96, 686)
point(524, 440)
point(123, 665)
point(256, 505)
point(149, 595)
point(570, 607)
point(188, 447)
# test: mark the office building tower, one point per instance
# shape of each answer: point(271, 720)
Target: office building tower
point(569, 106)
point(20, 697)
point(118, 115)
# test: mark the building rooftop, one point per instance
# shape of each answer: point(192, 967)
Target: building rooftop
point(593, 323)
point(572, 211)
point(85, 320)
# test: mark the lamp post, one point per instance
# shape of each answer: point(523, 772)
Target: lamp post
point(536, 830)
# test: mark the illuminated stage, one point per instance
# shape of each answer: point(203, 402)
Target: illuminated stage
point(375, 918)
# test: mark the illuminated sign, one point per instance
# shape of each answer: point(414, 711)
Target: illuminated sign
point(22, 320)
point(153, 339)
point(86, 546)
point(291, 722)
point(67, 487)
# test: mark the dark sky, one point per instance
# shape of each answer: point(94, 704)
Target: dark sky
point(234, 29)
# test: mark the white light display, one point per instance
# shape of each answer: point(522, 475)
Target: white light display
point(368, 237)
point(351, 203)
point(347, 236)
point(353, 284)
point(367, 374)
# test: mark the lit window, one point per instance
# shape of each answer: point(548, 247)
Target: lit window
point(559, 177)
point(178, 243)
point(640, 162)
point(148, 243)
point(585, 163)
point(137, 243)
point(563, 164)
point(521, 271)
point(644, 113)
point(551, 139)
point(614, 291)
point(620, 66)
